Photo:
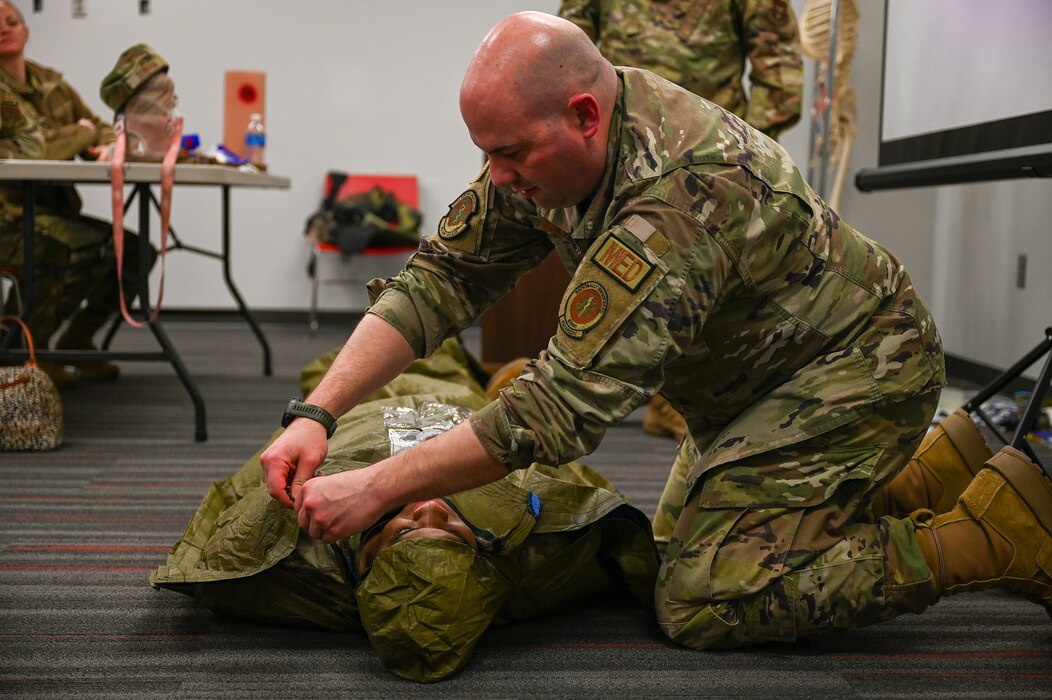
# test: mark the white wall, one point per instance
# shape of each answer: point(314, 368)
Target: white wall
point(372, 87)
point(959, 242)
point(358, 85)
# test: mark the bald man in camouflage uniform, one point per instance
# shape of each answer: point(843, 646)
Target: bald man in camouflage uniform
point(805, 363)
point(703, 46)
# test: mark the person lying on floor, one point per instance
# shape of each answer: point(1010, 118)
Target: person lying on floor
point(529, 545)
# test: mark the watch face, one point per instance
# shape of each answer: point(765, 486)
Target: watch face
point(287, 416)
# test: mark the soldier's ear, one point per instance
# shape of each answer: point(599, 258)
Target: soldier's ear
point(585, 109)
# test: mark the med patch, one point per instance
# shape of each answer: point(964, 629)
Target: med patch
point(622, 263)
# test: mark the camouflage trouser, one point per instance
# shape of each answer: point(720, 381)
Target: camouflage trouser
point(75, 264)
point(809, 559)
point(53, 258)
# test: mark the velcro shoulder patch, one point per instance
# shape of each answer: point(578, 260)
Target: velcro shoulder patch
point(455, 223)
point(608, 287)
point(12, 113)
point(622, 263)
point(647, 234)
point(461, 227)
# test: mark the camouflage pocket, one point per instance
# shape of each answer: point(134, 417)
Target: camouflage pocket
point(742, 529)
point(793, 477)
point(684, 581)
point(903, 353)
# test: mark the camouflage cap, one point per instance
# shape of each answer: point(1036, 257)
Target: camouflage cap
point(134, 67)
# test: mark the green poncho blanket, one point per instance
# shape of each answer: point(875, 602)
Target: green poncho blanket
point(548, 538)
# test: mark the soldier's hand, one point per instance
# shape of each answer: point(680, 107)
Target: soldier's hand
point(293, 458)
point(334, 507)
point(102, 153)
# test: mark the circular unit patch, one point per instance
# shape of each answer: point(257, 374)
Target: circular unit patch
point(460, 212)
point(584, 309)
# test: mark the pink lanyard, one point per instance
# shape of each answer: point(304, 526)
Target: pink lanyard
point(117, 180)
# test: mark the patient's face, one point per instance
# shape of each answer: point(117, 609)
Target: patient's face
point(432, 519)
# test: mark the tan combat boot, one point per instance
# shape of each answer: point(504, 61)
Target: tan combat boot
point(662, 420)
point(940, 470)
point(503, 376)
point(998, 536)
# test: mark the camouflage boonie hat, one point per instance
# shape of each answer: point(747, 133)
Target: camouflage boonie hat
point(134, 67)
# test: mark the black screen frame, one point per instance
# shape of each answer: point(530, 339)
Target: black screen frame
point(1016, 147)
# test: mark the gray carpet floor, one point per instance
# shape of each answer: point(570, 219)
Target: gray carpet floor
point(81, 528)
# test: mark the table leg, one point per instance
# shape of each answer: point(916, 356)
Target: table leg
point(29, 254)
point(267, 369)
point(200, 431)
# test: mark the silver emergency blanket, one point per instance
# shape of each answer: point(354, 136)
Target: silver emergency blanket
point(408, 426)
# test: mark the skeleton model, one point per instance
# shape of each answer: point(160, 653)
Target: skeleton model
point(827, 34)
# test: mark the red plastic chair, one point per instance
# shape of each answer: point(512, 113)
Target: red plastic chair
point(403, 187)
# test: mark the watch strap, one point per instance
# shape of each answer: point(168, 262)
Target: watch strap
point(302, 409)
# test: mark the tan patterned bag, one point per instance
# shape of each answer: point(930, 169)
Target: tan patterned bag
point(30, 409)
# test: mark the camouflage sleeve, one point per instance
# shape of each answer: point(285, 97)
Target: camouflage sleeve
point(636, 303)
point(479, 251)
point(104, 130)
point(20, 135)
point(64, 142)
point(70, 139)
point(777, 75)
point(583, 13)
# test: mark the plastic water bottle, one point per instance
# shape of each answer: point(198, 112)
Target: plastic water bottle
point(255, 141)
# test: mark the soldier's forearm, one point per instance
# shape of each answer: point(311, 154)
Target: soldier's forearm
point(449, 463)
point(64, 142)
point(375, 354)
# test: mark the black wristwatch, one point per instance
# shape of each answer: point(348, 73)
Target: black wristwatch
point(300, 409)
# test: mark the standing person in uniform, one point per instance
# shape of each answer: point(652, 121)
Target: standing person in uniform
point(77, 268)
point(703, 47)
point(801, 356)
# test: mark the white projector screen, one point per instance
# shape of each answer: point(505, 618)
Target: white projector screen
point(967, 92)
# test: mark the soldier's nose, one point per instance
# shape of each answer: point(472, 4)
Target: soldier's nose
point(499, 174)
point(430, 512)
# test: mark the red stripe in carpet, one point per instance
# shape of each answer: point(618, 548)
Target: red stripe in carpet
point(83, 548)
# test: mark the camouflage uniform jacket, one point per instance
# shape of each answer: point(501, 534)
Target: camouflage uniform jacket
point(702, 45)
point(56, 108)
point(20, 135)
point(705, 268)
